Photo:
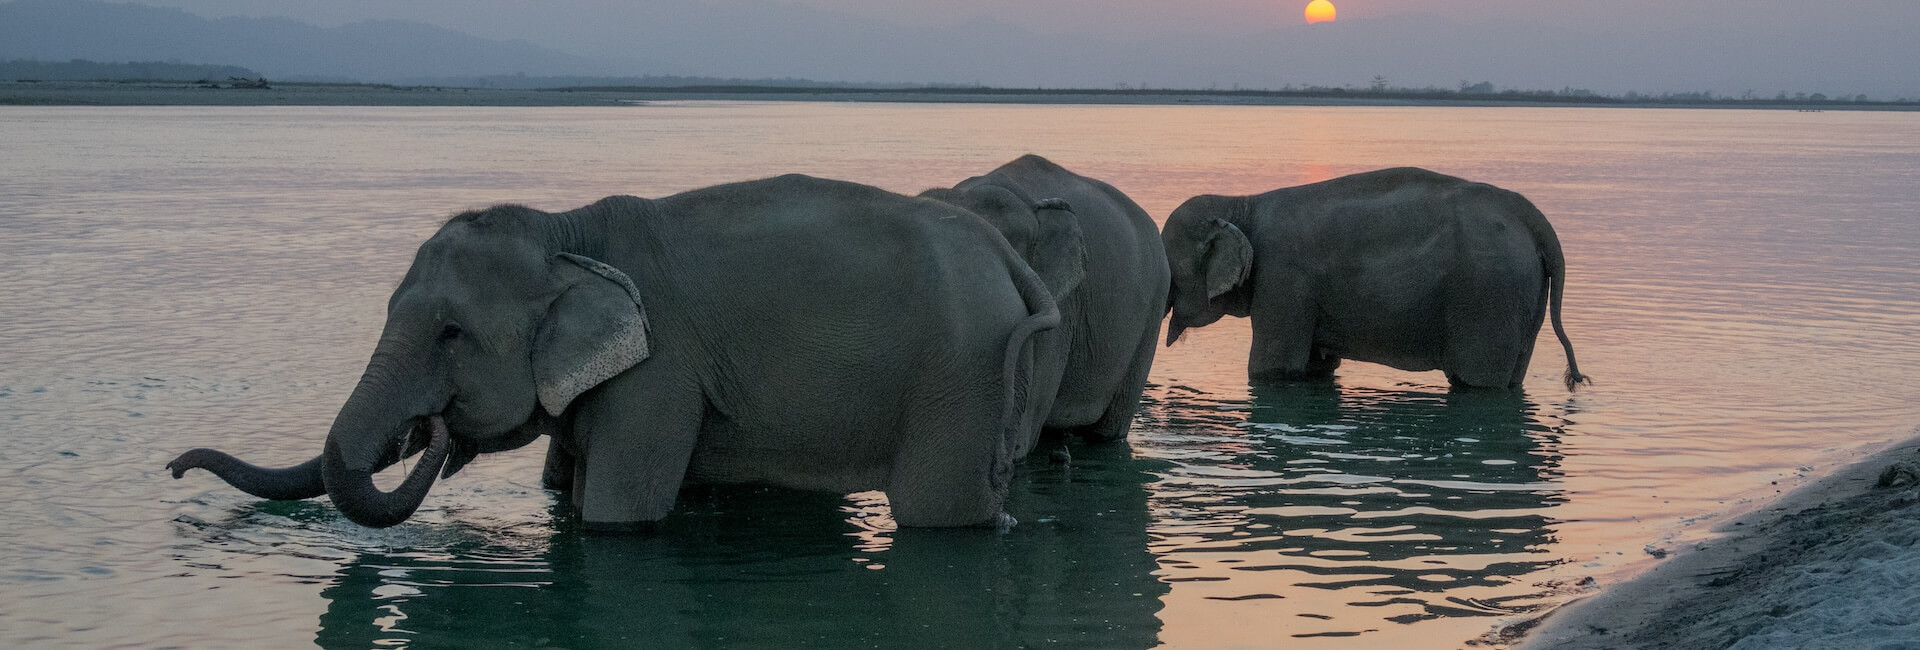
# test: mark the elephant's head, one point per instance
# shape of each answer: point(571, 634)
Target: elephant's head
point(1045, 233)
point(493, 330)
point(1210, 259)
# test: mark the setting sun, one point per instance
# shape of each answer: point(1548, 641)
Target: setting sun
point(1319, 11)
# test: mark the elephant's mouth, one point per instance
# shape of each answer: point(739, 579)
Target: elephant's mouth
point(460, 450)
point(463, 447)
point(1179, 323)
point(441, 455)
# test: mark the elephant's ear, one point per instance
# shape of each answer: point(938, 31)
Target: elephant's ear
point(1060, 255)
point(596, 329)
point(1229, 259)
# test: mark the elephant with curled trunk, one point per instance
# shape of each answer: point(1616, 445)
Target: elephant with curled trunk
point(791, 331)
point(1101, 257)
point(1402, 267)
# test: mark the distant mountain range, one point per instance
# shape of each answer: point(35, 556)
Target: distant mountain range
point(59, 30)
point(735, 39)
point(31, 70)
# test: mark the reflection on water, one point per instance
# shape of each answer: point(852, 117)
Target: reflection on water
point(1405, 504)
point(1740, 283)
point(766, 568)
point(1334, 511)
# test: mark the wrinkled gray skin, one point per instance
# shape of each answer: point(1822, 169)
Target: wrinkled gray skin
point(1101, 256)
point(791, 331)
point(1402, 267)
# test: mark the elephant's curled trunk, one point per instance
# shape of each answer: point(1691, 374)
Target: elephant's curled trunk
point(355, 495)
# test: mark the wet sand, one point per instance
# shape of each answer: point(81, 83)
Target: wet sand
point(1835, 564)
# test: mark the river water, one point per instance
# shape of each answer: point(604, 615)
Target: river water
point(1741, 284)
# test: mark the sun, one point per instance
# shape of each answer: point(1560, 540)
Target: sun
point(1319, 11)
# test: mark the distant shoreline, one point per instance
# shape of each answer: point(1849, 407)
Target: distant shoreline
point(169, 93)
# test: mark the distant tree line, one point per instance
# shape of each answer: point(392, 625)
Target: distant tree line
point(1482, 92)
point(562, 82)
point(1376, 88)
point(1487, 89)
point(81, 70)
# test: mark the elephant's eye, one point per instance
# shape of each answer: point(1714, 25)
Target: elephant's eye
point(450, 332)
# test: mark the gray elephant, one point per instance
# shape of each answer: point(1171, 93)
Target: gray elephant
point(791, 331)
point(1100, 255)
point(1403, 267)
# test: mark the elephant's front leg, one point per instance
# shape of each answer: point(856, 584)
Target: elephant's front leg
point(635, 441)
point(558, 472)
point(1283, 346)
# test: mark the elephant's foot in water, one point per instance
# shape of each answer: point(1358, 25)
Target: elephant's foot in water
point(558, 473)
point(619, 527)
point(1456, 383)
point(999, 521)
point(938, 505)
point(1319, 368)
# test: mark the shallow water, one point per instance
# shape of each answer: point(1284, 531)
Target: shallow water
point(1741, 284)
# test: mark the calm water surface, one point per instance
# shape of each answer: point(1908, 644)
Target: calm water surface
point(1742, 285)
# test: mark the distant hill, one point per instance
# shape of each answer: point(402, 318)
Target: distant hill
point(60, 30)
point(29, 70)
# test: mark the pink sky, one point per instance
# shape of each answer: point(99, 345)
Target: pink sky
point(1726, 46)
point(1146, 17)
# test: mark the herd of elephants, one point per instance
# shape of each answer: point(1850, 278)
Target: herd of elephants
point(826, 335)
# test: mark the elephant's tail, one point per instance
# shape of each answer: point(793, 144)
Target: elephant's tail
point(1573, 378)
point(1042, 314)
point(1555, 265)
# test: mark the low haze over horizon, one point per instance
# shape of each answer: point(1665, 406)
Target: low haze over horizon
point(1728, 47)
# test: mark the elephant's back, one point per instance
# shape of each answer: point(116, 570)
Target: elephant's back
point(1122, 241)
point(808, 254)
point(1409, 211)
point(1125, 262)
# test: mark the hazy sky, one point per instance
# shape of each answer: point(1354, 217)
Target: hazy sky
point(1143, 17)
point(1137, 17)
point(1729, 46)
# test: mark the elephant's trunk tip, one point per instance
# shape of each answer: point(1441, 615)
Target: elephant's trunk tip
point(1574, 379)
point(281, 484)
point(193, 458)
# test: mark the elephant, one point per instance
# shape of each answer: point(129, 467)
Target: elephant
point(1403, 267)
point(1100, 256)
point(792, 331)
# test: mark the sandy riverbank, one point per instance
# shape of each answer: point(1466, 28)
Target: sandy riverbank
point(1835, 564)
